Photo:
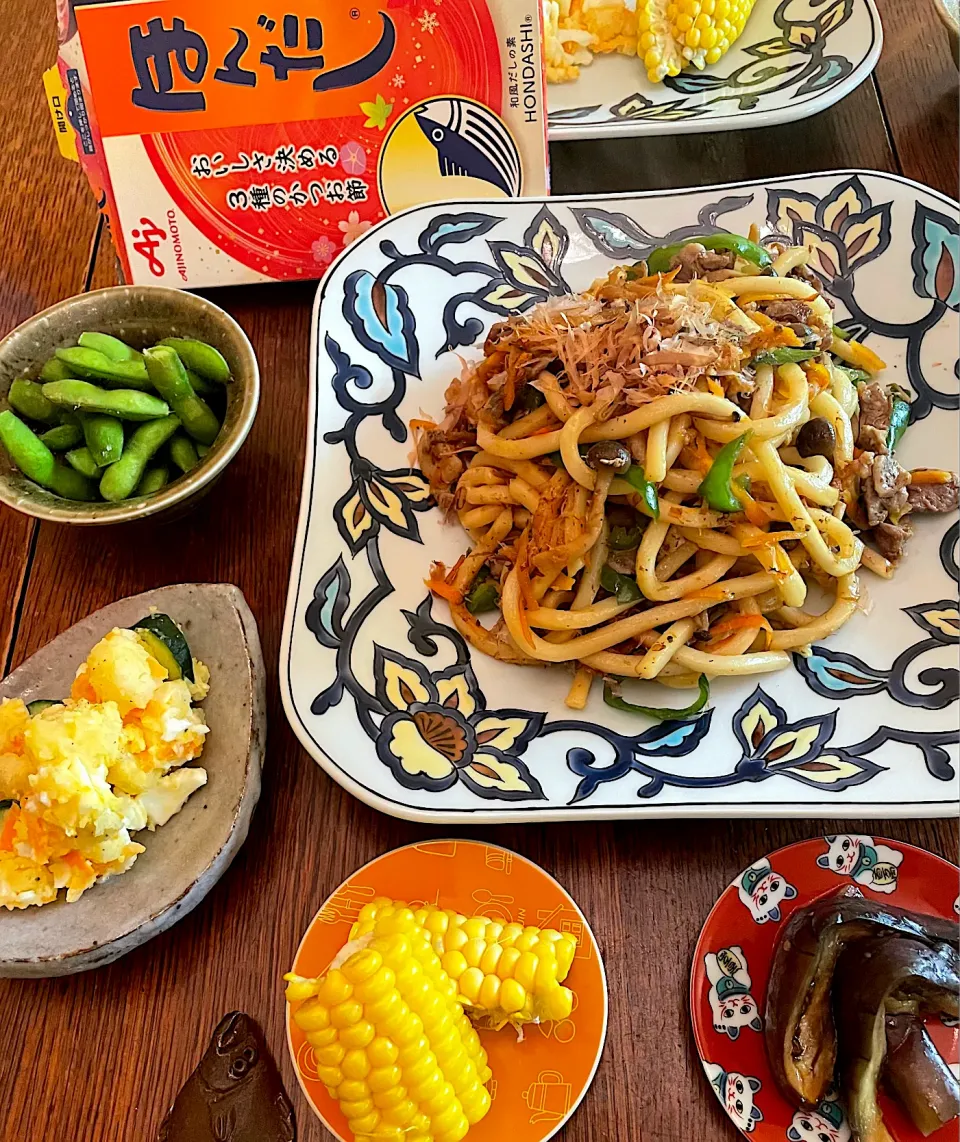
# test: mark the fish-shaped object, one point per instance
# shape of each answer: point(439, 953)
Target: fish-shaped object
point(235, 1094)
point(471, 141)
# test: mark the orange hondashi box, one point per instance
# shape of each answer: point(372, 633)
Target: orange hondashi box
point(238, 141)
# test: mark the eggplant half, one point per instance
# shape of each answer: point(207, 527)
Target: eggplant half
point(916, 1075)
point(799, 1029)
point(874, 978)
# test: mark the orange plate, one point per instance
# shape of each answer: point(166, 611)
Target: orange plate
point(537, 1082)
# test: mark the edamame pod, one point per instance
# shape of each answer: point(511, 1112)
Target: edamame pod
point(200, 385)
point(55, 370)
point(98, 366)
point(62, 437)
point(153, 480)
point(128, 404)
point(183, 453)
point(37, 462)
point(201, 358)
point(202, 450)
point(120, 479)
point(26, 397)
point(111, 347)
point(82, 460)
point(169, 377)
point(104, 437)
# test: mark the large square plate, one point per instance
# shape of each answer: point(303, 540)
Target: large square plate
point(794, 59)
point(371, 668)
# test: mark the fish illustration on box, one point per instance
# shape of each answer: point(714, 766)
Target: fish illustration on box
point(471, 141)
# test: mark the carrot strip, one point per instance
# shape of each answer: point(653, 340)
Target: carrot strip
point(9, 823)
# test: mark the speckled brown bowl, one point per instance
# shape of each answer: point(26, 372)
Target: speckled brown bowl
point(184, 858)
point(141, 316)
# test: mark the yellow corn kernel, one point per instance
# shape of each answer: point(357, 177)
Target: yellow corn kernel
point(356, 1064)
point(362, 966)
point(512, 996)
point(675, 35)
point(330, 1056)
point(508, 961)
point(393, 1096)
point(365, 1125)
point(330, 1076)
point(526, 970)
point(489, 995)
point(510, 933)
point(475, 927)
point(470, 983)
point(490, 958)
point(473, 950)
point(358, 1108)
point(383, 1078)
point(380, 983)
point(335, 988)
point(352, 1090)
point(346, 1014)
point(299, 987)
point(358, 1036)
point(382, 1052)
point(558, 1003)
point(322, 1038)
point(313, 1015)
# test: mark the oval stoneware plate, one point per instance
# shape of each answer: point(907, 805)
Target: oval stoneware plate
point(538, 1081)
point(865, 726)
point(186, 857)
point(794, 59)
point(731, 968)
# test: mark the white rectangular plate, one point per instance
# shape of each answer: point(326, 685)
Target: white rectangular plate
point(387, 697)
point(794, 59)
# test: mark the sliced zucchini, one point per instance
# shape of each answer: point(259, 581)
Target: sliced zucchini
point(41, 704)
point(166, 642)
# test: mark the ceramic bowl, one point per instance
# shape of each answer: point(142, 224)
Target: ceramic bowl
point(140, 315)
point(186, 857)
point(949, 13)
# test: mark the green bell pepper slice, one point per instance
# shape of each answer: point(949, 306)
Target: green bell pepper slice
point(717, 486)
point(658, 262)
point(650, 501)
point(660, 713)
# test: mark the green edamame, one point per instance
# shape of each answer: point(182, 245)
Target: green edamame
point(104, 437)
point(82, 460)
point(153, 480)
point(120, 479)
point(202, 450)
point(26, 397)
point(111, 347)
point(62, 437)
point(169, 377)
point(183, 453)
point(200, 385)
point(37, 462)
point(97, 366)
point(55, 370)
point(200, 357)
point(128, 404)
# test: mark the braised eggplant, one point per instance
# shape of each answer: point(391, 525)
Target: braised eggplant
point(904, 975)
point(916, 1075)
point(799, 1029)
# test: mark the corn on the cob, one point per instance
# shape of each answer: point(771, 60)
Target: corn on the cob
point(392, 1043)
point(674, 33)
point(505, 973)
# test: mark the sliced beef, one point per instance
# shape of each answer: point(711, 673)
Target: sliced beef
point(890, 539)
point(875, 409)
point(934, 497)
point(786, 310)
point(884, 489)
point(695, 261)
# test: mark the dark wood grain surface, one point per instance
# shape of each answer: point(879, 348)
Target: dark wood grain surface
point(98, 1058)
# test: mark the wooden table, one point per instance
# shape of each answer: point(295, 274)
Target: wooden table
point(98, 1058)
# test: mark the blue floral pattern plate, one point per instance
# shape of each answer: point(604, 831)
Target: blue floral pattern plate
point(384, 693)
point(794, 59)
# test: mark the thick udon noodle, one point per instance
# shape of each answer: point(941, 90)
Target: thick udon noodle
point(736, 583)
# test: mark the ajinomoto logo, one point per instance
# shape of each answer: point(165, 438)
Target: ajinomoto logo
point(148, 238)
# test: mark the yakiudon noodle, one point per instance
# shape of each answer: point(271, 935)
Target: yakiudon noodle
point(654, 473)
